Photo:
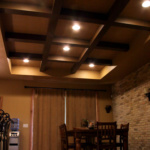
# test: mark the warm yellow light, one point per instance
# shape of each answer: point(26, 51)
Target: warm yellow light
point(66, 48)
point(76, 27)
point(146, 3)
point(26, 60)
point(91, 65)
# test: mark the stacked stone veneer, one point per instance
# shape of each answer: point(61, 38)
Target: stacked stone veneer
point(131, 105)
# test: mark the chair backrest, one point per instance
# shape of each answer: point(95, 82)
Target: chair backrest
point(106, 131)
point(63, 135)
point(124, 126)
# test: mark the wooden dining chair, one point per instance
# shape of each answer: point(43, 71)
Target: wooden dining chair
point(64, 138)
point(121, 139)
point(106, 135)
point(65, 145)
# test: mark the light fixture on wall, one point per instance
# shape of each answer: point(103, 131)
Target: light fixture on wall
point(108, 108)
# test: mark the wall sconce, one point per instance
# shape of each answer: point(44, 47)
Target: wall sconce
point(148, 95)
point(108, 108)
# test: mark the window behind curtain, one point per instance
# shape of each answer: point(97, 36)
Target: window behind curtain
point(48, 115)
point(81, 104)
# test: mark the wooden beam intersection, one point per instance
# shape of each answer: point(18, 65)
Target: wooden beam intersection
point(51, 31)
point(114, 12)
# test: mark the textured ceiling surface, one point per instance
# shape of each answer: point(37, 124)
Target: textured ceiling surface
point(114, 35)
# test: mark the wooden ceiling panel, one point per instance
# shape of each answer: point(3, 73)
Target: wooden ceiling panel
point(120, 35)
point(58, 50)
point(95, 68)
point(135, 10)
point(86, 32)
point(25, 47)
point(47, 3)
point(103, 54)
point(19, 62)
point(59, 65)
point(101, 6)
point(25, 24)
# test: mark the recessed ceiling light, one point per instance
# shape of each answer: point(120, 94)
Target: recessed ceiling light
point(26, 60)
point(146, 3)
point(76, 27)
point(66, 48)
point(91, 65)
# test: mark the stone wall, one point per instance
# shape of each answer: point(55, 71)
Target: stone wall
point(131, 105)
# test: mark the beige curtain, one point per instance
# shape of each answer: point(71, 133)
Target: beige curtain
point(48, 115)
point(80, 105)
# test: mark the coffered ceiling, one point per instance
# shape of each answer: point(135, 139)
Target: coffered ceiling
point(114, 35)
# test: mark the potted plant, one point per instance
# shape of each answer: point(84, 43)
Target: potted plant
point(84, 123)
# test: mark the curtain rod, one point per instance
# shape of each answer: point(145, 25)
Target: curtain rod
point(32, 87)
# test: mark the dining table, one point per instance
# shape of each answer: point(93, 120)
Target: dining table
point(80, 132)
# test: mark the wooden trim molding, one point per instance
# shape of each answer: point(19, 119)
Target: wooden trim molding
point(97, 108)
point(1, 102)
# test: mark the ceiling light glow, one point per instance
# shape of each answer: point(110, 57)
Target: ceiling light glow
point(76, 27)
point(66, 48)
point(146, 3)
point(91, 65)
point(26, 60)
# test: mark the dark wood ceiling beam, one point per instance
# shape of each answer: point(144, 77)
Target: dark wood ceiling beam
point(132, 24)
point(31, 38)
point(98, 61)
point(71, 42)
point(14, 55)
point(38, 57)
point(114, 12)
point(24, 9)
point(31, 56)
point(51, 30)
point(83, 16)
point(113, 46)
point(22, 37)
point(99, 18)
point(63, 59)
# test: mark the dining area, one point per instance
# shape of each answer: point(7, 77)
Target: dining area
point(99, 136)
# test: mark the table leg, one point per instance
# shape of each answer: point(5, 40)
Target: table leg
point(125, 142)
point(78, 143)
